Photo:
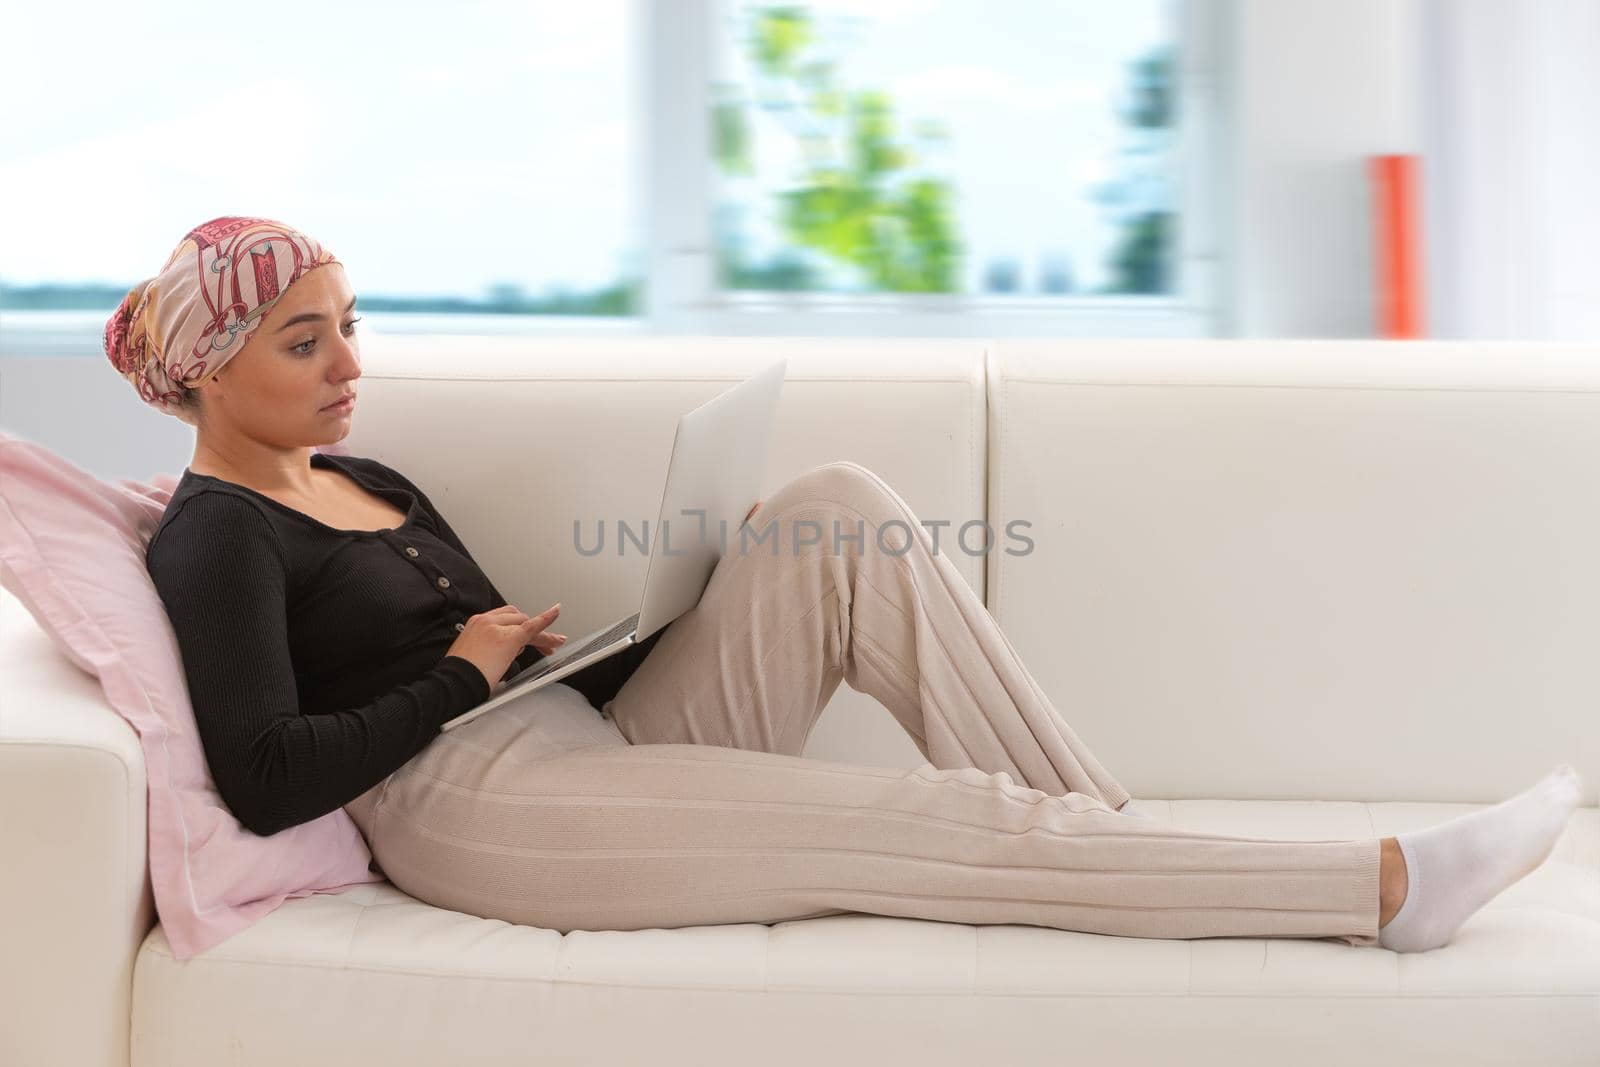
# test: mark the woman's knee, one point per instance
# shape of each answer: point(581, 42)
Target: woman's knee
point(836, 504)
point(850, 473)
point(843, 481)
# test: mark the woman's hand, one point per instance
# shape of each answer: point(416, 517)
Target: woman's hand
point(492, 640)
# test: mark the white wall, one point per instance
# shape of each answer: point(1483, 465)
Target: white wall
point(1501, 99)
point(1513, 123)
point(1318, 87)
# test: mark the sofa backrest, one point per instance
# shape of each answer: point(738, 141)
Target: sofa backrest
point(1304, 569)
point(514, 439)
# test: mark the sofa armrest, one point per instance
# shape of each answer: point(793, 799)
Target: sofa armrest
point(75, 901)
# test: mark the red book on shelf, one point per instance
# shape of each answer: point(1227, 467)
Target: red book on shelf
point(1396, 204)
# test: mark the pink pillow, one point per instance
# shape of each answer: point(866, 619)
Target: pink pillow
point(72, 551)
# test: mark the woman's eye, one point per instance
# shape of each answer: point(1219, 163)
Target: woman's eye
point(303, 347)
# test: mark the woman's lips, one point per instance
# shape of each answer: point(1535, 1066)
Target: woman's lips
point(342, 405)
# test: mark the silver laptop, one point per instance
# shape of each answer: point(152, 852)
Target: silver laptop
point(719, 454)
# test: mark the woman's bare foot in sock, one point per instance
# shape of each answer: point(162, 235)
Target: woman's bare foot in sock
point(1453, 869)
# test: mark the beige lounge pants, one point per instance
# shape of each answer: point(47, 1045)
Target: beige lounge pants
point(685, 801)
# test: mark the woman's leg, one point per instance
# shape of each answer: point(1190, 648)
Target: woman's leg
point(543, 814)
point(693, 809)
point(867, 602)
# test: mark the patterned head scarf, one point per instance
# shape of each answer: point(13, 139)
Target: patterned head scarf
point(176, 330)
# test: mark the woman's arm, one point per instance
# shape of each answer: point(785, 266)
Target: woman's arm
point(221, 572)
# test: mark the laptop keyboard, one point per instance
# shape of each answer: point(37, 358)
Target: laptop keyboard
point(545, 666)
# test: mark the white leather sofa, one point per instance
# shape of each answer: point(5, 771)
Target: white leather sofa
point(1309, 590)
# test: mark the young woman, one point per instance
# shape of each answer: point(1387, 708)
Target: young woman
point(330, 620)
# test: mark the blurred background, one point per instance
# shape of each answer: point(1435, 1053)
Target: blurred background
point(980, 168)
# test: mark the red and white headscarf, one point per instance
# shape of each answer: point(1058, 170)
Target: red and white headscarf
point(176, 330)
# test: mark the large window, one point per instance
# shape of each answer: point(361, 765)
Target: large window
point(472, 163)
point(961, 146)
point(719, 166)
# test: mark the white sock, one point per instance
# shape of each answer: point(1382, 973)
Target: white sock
point(1457, 867)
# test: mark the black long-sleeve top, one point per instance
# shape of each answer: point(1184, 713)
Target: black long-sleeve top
point(315, 657)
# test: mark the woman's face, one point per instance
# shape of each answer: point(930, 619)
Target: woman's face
point(300, 358)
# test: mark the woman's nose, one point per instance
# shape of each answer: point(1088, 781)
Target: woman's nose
point(349, 362)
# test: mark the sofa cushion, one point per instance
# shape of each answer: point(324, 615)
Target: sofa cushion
point(371, 975)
